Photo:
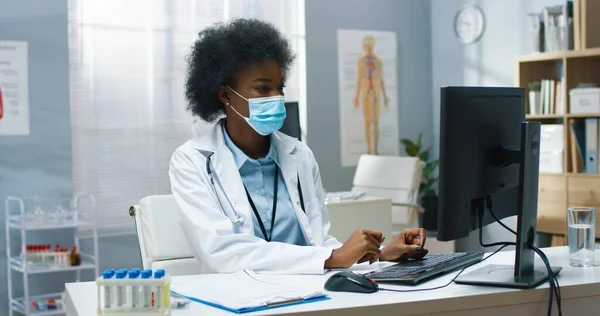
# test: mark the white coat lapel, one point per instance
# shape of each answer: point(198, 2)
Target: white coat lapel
point(231, 180)
point(229, 177)
point(286, 154)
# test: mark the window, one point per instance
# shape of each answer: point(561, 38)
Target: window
point(127, 73)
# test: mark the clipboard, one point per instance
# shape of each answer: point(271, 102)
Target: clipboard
point(241, 292)
point(267, 305)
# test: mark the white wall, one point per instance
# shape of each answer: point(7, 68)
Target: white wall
point(41, 161)
point(410, 20)
point(488, 62)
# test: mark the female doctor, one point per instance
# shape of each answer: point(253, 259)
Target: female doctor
point(250, 196)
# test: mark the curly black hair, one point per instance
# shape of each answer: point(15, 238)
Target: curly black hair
point(222, 49)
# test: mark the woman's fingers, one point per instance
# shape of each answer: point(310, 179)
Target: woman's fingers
point(375, 234)
point(423, 236)
point(371, 239)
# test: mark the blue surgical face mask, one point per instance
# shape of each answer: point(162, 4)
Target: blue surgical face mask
point(266, 114)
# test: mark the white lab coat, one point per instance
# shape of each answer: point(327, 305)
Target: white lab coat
point(217, 219)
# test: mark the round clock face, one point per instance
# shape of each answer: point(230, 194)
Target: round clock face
point(468, 24)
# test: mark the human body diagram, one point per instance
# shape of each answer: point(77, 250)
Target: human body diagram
point(370, 93)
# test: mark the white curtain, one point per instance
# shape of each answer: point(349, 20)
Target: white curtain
point(127, 72)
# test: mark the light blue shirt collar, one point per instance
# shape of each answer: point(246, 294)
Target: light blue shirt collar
point(240, 157)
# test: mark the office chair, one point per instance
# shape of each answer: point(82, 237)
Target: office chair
point(394, 177)
point(162, 243)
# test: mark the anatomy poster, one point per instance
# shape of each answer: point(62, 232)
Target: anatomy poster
point(368, 94)
point(14, 94)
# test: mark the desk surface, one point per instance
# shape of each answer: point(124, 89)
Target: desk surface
point(576, 284)
point(360, 200)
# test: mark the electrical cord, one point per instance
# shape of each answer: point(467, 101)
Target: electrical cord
point(453, 279)
point(502, 245)
point(552, 279)
point(494, 244)
point(554, 285)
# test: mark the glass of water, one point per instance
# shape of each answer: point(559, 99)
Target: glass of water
point(581, 236)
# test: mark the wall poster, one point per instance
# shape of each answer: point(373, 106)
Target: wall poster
point(14, 94)
point(368, 94)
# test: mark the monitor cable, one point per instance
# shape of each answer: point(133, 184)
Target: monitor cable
point(552, 278)
point(502, 245)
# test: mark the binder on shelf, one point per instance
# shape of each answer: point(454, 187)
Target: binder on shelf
point(240, 292)
point(551, 161)
point(534, 102)
point(591, 145)
point(552, 137)
point(551, 148)
point(577, 147)
point(558, 27)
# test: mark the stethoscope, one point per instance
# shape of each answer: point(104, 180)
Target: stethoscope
point(231, 214)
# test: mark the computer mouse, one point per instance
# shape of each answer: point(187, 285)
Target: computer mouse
point(346, 281)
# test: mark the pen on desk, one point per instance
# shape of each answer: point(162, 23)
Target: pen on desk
point(284, 302)
point(179, 302)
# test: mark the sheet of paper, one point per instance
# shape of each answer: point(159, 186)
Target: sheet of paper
point(239, 290)
point(14, 88)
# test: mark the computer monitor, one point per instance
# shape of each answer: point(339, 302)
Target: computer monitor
point(489, 159)
point(291, 125)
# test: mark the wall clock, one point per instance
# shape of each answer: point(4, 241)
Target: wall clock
point(469, 24)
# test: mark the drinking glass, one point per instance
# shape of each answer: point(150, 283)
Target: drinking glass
point(581, 236)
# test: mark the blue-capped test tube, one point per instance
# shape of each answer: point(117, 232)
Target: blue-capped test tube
point(145, 298)
point(159, 274)
point(134, 292)
point(120, 296)
point(106, 275)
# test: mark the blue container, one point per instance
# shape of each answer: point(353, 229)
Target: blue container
point(107, 274)
point(134, 274)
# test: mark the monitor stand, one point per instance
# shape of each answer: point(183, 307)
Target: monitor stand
point(521, 275)
point(498, 275)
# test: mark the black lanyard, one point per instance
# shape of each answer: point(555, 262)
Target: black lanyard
point(275, 187)
point(301, 196)
point(260, 223)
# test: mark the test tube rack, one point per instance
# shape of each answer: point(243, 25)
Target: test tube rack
point(44, 255)
point(134, 292)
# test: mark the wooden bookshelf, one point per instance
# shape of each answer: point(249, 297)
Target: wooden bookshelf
point(558, 56)
point(583, 115)
point(587, 23)
point(559, 191)
point(544, 117)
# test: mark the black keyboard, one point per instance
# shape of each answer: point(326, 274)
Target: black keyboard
point(416, 271)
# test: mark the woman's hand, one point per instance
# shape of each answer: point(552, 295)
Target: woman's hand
point(409, 244)
point(362, 245)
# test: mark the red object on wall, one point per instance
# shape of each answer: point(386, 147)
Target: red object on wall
point(1, 106)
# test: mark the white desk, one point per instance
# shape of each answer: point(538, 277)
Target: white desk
point(372, 213)
point(580, 289)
